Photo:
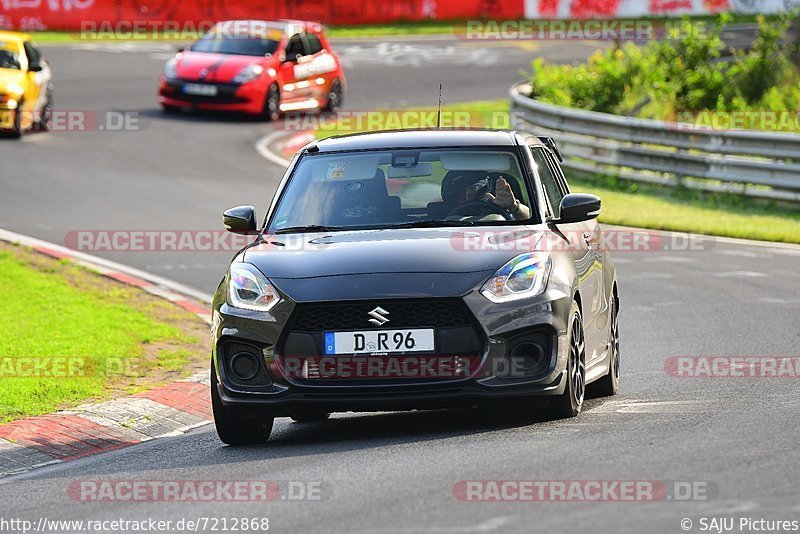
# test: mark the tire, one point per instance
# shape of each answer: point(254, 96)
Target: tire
point(310, 417)
point(609, 384)
point(569, 403)
point(43, 124)
point(232, 428)
point(17, 130)
point(334, 98)
point(272, 104)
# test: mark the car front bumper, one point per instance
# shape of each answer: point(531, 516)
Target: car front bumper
point(499, 372)
point(238, 98)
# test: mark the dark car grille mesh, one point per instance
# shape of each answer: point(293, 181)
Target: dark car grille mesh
point(402, 314)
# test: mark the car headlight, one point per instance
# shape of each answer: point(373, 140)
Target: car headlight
point(522, 277)
point(249, 289)
point(249, 73)
point(171, 68)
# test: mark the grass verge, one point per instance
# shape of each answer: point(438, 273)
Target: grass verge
point(645, 206)
point(68, 335)
point(624, 203)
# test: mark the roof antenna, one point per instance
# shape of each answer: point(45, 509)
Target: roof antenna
point(439, 109)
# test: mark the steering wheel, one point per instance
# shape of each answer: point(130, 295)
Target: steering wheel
point(473, 206)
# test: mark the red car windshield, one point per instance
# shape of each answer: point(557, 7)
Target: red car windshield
point(236, 45)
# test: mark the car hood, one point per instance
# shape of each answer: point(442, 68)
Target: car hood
point(12, 78)
point(407, 262)
point(207, 67)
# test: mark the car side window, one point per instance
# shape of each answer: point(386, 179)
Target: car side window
point(313, 45)
point(34, 57)
point(560, 177)
point(295, 47)
point(549, 180)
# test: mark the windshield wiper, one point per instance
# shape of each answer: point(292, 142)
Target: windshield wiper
point(428, 224)
point(308, 229)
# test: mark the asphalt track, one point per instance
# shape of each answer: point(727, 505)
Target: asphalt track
point(396, 472)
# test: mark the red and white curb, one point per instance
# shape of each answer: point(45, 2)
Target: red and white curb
point(167, 410)
point(279, 146)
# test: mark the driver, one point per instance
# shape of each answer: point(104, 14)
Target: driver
point(474, 186)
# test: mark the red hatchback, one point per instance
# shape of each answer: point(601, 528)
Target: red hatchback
point(255, 67)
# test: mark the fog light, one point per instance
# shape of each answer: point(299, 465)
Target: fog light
point(244, 365)
point(527, 358)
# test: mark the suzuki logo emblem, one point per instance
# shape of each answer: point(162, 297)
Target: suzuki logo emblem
point(379, 316)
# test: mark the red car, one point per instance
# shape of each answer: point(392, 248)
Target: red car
point(255, 67)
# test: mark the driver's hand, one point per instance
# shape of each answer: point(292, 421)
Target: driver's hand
point(505, 196)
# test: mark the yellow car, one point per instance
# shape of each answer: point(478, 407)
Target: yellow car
point(26, 87)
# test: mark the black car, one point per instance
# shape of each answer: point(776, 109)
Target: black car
point(418, 269)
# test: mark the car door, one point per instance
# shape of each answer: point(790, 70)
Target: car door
point(292, 88)
point(583, 243)
point(319, 67)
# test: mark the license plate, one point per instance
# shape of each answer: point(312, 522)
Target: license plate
point(199, 89)
point(379, 341)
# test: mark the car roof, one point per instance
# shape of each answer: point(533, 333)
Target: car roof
point(14, 36)
point(418, 139)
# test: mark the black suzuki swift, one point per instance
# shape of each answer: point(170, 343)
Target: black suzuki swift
point(417, 269)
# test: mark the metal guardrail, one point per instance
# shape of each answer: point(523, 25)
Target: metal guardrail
point(754, 163)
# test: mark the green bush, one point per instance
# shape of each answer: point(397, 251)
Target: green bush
point(683, 72)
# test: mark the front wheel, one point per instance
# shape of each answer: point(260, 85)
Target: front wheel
point(334, 98)
point(272, 104)
point(232, 428)
point(17, 129)
point(45, 116)
point(570, 402)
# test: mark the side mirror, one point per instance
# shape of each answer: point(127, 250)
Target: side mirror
point(240, 220)
point(181, 49)
point(35, 67)
point(579, 207)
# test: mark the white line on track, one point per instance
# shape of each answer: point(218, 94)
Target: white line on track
point(741, 274)
point(490, 525)
point(263, 148)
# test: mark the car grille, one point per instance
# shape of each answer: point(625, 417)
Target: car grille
point(459, 338)
point(402, 314)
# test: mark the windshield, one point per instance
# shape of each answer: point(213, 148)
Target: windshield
point(390, 188)
point(236, 45)
point(9, 58)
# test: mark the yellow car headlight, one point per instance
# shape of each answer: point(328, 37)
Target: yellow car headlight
point(8, 101)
